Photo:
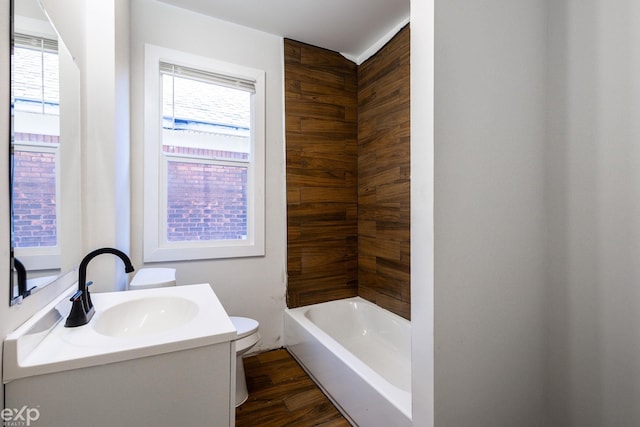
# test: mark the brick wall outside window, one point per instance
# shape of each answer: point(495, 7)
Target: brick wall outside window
point(34, 194)
point(206, 201)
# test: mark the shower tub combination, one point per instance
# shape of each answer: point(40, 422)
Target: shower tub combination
point(359, 354)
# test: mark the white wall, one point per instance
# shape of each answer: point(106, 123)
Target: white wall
point(593, 186)
point(422, 244)
point(105, 136)
point(253, 287)
point(97, 38)
point(490, 130)
point(68, 17)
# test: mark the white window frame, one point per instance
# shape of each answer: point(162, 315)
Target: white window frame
point(43, 257)
point(37, 258)
point(155, 247)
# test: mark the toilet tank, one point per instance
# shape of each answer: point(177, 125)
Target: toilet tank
point(147, 278)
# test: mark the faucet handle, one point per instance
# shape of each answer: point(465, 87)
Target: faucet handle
point(75, 296)
point(77, 316)
point(89, 303)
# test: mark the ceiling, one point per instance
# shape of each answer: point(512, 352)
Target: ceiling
point(355, 28)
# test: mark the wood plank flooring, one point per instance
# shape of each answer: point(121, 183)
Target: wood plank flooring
point(282, 394)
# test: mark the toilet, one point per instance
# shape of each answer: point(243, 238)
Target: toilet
point(247, 329)
point(147, 278)
point(248, 336)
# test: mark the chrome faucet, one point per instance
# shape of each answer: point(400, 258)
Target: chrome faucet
point(82, 310)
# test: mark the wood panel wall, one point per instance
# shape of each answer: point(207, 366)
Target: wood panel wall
point(347, 131)
point(321, 133)
point(384, 177)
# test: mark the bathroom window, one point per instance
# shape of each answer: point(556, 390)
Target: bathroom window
point(204, 158)
point(35, 110)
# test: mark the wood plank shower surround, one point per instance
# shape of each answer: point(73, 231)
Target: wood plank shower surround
point(347, 130)
point(322, 148)
point(383, 177)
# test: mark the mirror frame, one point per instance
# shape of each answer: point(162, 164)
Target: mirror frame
point(13, 299)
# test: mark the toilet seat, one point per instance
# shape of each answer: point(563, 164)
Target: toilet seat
point(247, 330)
point(244, 326)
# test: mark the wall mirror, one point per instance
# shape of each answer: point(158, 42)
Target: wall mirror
point(45, 152)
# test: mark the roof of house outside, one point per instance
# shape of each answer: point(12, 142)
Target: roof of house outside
point(199, 107)
point(35, 77)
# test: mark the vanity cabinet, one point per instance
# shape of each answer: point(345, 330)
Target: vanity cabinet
point(183, 388)
point(131, 365)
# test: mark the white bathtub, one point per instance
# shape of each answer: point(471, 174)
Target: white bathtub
point(359, 354)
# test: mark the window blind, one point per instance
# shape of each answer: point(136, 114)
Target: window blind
point(36, 43)
point(208, 77)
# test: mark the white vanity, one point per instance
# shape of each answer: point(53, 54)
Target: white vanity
point(154, 357)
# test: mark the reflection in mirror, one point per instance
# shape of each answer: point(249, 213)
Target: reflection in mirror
point(41, 135)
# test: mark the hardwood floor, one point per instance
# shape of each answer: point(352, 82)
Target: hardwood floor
point(282, 394)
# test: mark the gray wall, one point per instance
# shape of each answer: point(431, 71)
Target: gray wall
point(593, 193)
point(489, 212)
point(537, 218)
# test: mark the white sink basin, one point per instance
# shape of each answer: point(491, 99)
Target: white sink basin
point(127, 325)
point(145, 316)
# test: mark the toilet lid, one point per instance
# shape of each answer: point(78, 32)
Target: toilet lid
point(153, 278)
point(244, 326)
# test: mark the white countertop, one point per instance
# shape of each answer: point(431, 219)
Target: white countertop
point(44, 345)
